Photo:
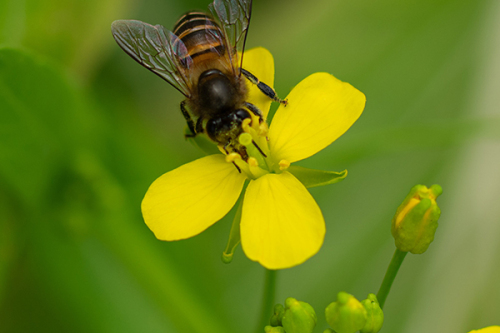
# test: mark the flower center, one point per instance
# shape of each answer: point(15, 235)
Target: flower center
point(259, 162)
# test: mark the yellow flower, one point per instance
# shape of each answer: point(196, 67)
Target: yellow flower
point(281, 224)
point(489, 329)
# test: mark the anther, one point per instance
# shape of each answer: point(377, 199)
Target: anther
point(252, 161)
point(284, 164)
point(245, 125)
point(230, 158)
point(263, 129)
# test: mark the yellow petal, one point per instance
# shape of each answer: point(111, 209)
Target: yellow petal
point(184, 202)
point(320, 109)
point(281, 224)
point(260, 63)
point(490, 329)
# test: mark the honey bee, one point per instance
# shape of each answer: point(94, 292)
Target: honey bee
point(200, 59)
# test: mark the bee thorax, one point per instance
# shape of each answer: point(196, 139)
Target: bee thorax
point(216, 92)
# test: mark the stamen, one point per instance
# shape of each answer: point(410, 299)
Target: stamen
point(260, 150)
point(245, 125)
point(237, 167)
point(233, 157)
point(253, 151)
point(263, 129)
point(252, 161)
point(284, 164)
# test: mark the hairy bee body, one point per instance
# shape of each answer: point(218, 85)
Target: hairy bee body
point(217, 92)
point(200, 59)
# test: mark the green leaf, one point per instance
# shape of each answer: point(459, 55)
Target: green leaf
point(313, 178)
point(43, 122)
point(28, 149)
point(74, 33)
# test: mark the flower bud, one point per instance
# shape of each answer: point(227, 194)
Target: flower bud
point(375, 315)
point(277, 317)
point(415, 222)
point(299, 317)
point(346, 315)
point(271, 329)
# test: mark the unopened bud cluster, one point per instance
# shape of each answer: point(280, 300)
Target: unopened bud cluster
point(348, 315)
point(295, 317)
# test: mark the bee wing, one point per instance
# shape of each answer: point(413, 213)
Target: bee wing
point(234, 18)
point(157, 49)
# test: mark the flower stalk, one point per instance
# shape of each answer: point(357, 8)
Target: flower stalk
point(390, 275)
point(267, 298)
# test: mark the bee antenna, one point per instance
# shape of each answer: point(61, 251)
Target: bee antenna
point(246, 33)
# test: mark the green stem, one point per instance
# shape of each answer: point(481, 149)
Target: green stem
point(267, 299)
point(234, 236)
point(390, 275)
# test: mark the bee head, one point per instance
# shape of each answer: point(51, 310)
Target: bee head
point(220, 129)
point(216, 91)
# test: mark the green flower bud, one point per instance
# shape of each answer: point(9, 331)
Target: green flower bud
point(299, 317)
point(277, 317)
point(415, 222)
point(375, 315)
point(346, 315)
point(271, 329)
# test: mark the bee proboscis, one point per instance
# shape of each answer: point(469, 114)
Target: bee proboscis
point(200, 59)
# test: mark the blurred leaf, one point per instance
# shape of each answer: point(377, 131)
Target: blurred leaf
point(74, 33)
point(8, 243)
point(416, 137)
point(36, 123)
point(12, 22)
point(76, 219)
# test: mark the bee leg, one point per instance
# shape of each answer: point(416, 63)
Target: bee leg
point(255, 110)
point(189, 121)
point(199, 125)
point(268, 91)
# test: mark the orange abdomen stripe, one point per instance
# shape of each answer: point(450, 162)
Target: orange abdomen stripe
point(200, 34)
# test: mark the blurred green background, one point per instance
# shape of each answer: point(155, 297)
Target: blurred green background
point(84, 130)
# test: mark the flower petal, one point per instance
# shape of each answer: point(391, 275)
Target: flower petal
point(281, 224)
point(260, 63)
point(185, 201)
point(320, 109)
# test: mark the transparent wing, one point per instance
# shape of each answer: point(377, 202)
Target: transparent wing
point(234, 18)
point(157, 49)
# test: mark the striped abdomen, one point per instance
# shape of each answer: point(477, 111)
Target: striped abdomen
point(200, 34)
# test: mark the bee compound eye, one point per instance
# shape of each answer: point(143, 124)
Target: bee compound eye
point(242, 114)
point(213, 126)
